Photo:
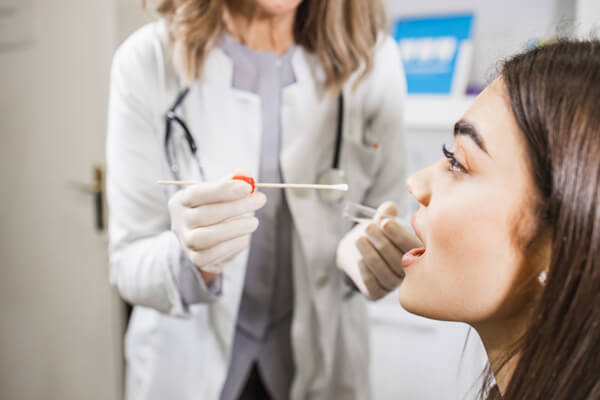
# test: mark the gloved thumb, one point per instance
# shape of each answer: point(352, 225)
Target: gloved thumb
point(386, 209)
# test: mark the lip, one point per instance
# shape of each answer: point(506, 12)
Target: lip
point(412, 257)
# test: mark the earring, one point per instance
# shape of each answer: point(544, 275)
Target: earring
point(542, 277)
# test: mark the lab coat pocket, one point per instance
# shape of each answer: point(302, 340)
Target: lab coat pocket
point(360, 163)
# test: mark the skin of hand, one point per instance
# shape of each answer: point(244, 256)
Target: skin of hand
point(371, 253)
point(211, 222)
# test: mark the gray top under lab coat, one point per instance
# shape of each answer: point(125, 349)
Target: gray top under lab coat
point(262, 333)
point(263, 328)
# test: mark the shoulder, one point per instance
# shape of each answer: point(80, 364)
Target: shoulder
point(386, 81)
point(146, 45)
point(387, 63)
point(144, 56)
point(142, 70)
point(386, 48)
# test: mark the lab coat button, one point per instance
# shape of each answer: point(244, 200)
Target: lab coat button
point(322, 278)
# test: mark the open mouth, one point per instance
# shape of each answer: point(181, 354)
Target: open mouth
point(412, 257)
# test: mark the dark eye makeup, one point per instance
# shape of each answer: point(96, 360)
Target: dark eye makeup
point(454, 164)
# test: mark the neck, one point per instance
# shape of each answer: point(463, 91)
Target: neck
point(258, 30)
point(499, 337)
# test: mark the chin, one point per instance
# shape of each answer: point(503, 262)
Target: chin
point(278, 7)
point(408, 301)
point(413, 303)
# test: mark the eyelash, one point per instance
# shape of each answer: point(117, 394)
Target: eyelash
point(455, 165)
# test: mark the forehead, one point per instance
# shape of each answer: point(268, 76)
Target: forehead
point(492, 116)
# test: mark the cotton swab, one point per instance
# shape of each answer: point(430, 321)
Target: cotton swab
point(342, 187)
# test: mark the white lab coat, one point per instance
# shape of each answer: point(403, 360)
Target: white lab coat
point(178, 352)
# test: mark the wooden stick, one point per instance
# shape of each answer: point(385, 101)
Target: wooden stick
point(342, 187)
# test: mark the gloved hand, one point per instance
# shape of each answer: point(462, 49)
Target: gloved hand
point(371, 253)
point(208, 219)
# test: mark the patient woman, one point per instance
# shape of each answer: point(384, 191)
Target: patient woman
point(509, 219)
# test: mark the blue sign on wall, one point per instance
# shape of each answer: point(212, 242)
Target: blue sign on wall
point(430, 48)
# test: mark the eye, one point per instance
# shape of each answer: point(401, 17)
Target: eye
point(455, 165)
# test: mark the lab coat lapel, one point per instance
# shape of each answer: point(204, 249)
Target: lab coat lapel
point(299, 157)
point(229, 113)
point(216, 111)
point(299, 161)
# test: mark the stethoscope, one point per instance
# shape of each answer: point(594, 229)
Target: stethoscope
point(332, 176)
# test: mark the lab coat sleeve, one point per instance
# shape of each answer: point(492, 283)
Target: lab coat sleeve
point(191, 285)
point(147, 264)
point(387, 124)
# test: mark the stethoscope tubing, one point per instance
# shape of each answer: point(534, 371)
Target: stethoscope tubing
point(172, 116)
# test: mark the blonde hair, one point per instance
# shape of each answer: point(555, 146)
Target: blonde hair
point(341, 33)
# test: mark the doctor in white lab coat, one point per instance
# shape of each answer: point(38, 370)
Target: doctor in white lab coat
point(177, 350)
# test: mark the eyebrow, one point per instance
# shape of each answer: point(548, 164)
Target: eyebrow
point(467, 129)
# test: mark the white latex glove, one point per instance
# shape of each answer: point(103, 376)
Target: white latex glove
point(208, 219)
point(371, 253)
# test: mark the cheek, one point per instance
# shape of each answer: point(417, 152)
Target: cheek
point(469, 265)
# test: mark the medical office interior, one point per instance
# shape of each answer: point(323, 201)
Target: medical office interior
point(61, 323)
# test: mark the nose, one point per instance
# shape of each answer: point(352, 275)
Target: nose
point(419, 185)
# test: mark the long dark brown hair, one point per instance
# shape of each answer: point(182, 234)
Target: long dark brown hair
point(341, 33)
point(554, 93)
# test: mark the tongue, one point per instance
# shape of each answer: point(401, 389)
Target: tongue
point(411, 256)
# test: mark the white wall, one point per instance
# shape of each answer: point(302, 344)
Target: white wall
point(129, 16)
point(588, 17)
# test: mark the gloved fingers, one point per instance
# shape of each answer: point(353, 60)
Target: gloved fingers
point(215, 213)
point(234, 253)
point(236, 248)
point(387, 208)
point(206, 237)
point(213, 269)
point(229, 258)
point(219, 265)
point(380, 273)
point(402, 238)
point(214, 192)
point(219, 252)
point(375, 291)
point(391, 254)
